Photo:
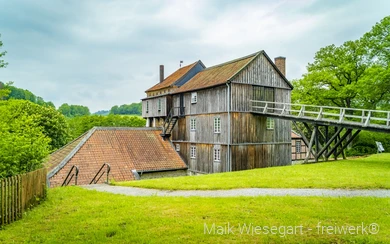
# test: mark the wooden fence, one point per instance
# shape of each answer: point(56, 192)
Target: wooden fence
point(19, 193)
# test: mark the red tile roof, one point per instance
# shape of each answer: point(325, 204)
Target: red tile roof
point(216, 75)
point(175, 76)
point(124, 148)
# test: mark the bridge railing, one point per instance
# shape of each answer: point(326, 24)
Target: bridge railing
point(362, 117)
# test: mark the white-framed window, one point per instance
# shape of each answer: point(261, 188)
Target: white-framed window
point(217, 154)
point(159, 104)
point(270, 123)
point(193, 151)
point(194, 97)
point(193, 124)
point(178, 147)
point(217, 125)
point(147, 106)
point(298, 146)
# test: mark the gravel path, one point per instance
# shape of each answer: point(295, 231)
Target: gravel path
point(250, 192)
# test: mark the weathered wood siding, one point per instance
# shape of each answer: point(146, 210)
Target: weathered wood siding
point(261, 72)
point(211, 100)
point(260, 156)
point(243, 93)
point(204, 161)
point(249, 128)
point(204, 132)
point(153, 107)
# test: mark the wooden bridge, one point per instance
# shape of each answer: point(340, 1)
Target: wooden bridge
point(323, 143)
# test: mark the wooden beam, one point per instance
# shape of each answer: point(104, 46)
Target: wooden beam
point(316, 142)
point(348, 141)
point(338, 141)
point(326, 147)
point(310, 146)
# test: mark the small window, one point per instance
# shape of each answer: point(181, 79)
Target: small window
point(270, 124)
point(159, 105)
point(178, 147)
point(298, 146)
point(193, 151)
point(217, 154)
point(217, 125)
point(194, 97)
point(192, 124)
point(147, 106)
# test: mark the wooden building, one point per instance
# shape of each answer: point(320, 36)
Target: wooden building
point(211, 124)
point(298, 147)
point(157, 104)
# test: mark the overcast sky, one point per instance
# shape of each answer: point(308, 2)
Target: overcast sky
point(101, 53)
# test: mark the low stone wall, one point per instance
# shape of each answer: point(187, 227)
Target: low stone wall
point(163, 174)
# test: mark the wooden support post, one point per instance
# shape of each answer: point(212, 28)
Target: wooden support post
point(329, 142)
point(326, 141)
point(316, 143)
point(338, 140)
point(340, 144)
point(335, 141)
point(348, 141)
point(310, 147)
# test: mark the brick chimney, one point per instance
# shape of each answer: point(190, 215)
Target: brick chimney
point(280, 63)
point(161, 73)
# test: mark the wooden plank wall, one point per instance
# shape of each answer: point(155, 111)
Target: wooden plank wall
point(153, 107)
point(204, 129)
point(20, 193)
point(211, 100)
point(261, 72)
point(260, 156)
point(204, 161)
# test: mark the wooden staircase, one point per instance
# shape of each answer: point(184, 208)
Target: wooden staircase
point(171, 121)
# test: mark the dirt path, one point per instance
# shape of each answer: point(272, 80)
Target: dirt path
point(250, 192)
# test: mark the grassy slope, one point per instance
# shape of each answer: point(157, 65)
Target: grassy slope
point(362, 173)
point(75, 215)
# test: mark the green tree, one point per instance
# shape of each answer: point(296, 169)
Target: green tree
point(71, 111)
point(134, 109)
point(23, 145)
point(4, 90)
point(80, 125)
point(53, 124)
point(354, 74)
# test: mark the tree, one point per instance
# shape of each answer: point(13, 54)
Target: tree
point(80, 125)
point(71, 111)
point(23, 144)
point(355, 74)
point(134, 109)
point(52, 123)
point(3, 64)
point(4, 90)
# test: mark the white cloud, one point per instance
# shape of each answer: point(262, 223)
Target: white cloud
point(103, 53)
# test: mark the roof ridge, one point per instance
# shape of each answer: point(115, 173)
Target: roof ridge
point(71, 154)
point(126, 128)
point(232, 61)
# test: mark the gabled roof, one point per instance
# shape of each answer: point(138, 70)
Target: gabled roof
point(216, 75)
point(124, 148)
point(295, 134)
point(222, 73)
point(174, 77)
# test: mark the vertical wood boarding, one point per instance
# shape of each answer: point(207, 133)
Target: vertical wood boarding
point(19, 193)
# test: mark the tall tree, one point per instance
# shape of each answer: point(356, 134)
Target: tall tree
point(354, 74)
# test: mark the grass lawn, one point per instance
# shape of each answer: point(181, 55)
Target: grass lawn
point(362, 173)
point(75, 215)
